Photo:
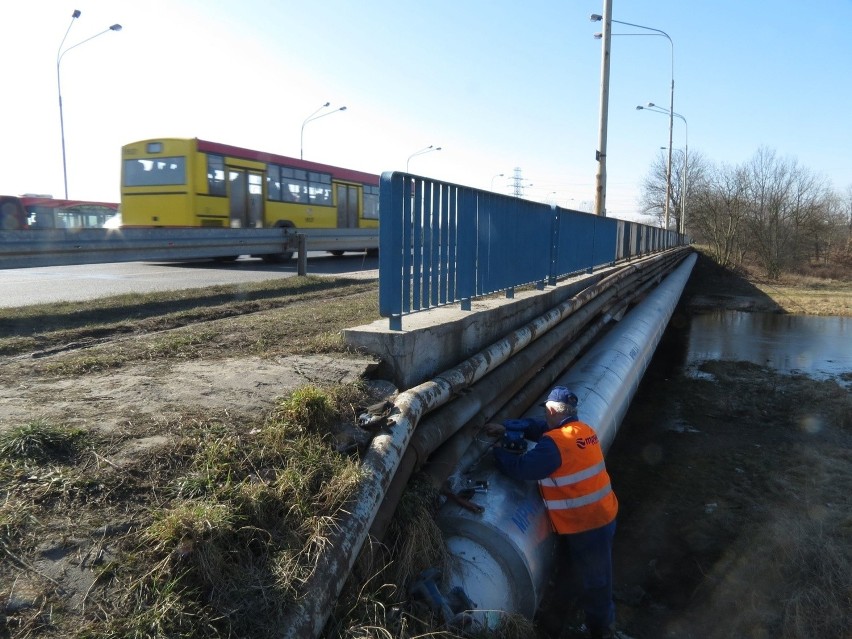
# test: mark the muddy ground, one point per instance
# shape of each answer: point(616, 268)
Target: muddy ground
point(734, 484)
point(734, 489)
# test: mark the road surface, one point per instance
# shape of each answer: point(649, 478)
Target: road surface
point(42, 285)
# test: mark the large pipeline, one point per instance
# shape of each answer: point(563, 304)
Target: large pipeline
point(386, 450)
point(500, 556)
point(452, 426)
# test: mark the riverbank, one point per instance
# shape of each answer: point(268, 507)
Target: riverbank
point(711, 286)
point(734, 484)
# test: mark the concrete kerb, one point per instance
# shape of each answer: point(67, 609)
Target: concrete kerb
point(437, 339)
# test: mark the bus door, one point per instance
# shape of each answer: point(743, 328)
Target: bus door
point(246, 197)
point(347, 206)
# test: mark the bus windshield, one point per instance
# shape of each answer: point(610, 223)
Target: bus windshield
point(155, 172)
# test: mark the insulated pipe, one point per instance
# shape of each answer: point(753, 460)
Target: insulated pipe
point(505, 381)
point(607, 378)
point(441, 424)
point(382, 459)
point(497, 555)
point(463, 450)
point(543, 356)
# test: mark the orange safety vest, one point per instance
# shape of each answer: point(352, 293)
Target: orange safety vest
point(578, 495)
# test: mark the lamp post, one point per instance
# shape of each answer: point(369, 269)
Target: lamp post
point(600, 154)
point(494, 178)
point(606, 35)
point(59, 54)
point(657, 109)
point(311, 117)
point(424, 150)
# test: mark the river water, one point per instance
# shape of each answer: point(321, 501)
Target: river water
point(820, 347)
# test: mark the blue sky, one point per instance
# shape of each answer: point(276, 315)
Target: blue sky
point(498, 85)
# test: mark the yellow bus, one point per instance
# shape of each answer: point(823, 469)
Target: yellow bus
point(192, 183)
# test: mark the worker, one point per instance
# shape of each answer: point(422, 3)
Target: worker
point(568, 463)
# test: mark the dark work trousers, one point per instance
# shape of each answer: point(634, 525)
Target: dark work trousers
point(590, 554)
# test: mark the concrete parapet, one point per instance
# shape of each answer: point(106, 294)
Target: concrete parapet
point(437, 339)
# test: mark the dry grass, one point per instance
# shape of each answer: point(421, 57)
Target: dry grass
point(47, 327)
point(804, 296)
point(813, 291)
point(234, 517)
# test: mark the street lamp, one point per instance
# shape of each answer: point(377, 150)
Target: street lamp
point(606, 35)
point(494, 178)
point(657, 109)
point(424, 150)
point(59, 54)
point(600, 153)
point(311, 117)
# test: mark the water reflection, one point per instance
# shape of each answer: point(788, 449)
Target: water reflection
point(820, 347)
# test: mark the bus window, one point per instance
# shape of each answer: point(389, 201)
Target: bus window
point(273, 182)
point(155, 172)
point(371, 202)
point(216, 175)
point(294, 183)
point(319, 188)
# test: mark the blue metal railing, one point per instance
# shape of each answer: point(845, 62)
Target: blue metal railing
point(441, 243)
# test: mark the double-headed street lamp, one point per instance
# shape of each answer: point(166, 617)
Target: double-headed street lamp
point(424, 150)
point(311, 117)
point(605, 36)
point(59, 54)
point(657, 109)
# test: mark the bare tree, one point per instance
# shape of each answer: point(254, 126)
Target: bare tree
point(785, 201)
point(718, 207)
point(835, 235)
point(653, 196)
point(771, 208)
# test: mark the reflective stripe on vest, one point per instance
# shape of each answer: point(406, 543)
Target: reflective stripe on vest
point(558, 504)
point(567, 480)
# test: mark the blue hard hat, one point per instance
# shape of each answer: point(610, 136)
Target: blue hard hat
point(562, 395)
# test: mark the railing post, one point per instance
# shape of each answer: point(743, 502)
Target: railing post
point(555, 223)
point(302, 261)
point(467, 221)
point(391, 248)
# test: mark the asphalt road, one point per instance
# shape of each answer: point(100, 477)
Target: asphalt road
point(42, 285)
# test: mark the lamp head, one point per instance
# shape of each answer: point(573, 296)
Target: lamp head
point(326, 104)
point(595, 18)
point(343, 108)
point(639, 108)
point(76, 14)
point(115, 27)
point(598, 36)
point(651, 104)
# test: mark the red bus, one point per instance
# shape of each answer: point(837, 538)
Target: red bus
point(49, 213)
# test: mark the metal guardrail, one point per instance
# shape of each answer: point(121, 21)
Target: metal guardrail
point(59, 247)
point(443, 243)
